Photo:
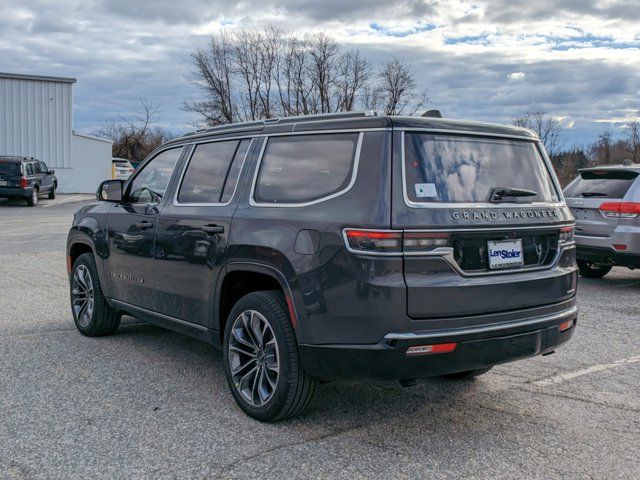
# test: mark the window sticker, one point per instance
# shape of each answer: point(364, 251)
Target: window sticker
point(426, 190)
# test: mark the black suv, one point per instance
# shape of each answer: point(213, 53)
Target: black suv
point(343, 246)
point(26, 177)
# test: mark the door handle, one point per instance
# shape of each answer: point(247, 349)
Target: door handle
point(144, 225)
point(212, 228)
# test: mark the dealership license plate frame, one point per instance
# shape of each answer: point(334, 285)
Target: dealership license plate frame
point(499, 263)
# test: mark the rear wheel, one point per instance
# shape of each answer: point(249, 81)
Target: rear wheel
point(261, 359)
point(91, 313)
point(467, 375)
point(32, 200)
point(591, 270)
point(52, 192)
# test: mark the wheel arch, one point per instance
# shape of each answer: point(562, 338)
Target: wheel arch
point(241, 278)
point(76, 246)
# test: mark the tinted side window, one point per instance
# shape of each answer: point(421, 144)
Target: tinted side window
point(152, 181)
point(36, 168)
point(304, 168)
point(206, 173)
point(43, 167)
point(234, 172)
point(29, 169)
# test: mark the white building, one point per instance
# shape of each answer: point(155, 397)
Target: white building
point(36, 120)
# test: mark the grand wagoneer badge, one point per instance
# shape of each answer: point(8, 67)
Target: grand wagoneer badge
point(507, 214)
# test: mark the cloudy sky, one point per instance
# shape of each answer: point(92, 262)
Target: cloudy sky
point(486, 60)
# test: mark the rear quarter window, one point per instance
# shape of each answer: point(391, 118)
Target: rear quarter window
point(306, 168)
point(601, 183)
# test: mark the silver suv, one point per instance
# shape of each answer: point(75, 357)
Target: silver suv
point(605, 202)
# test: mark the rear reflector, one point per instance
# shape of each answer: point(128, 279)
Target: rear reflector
point(566, 325)
point(619, 246)
point(620, 209)
point(432, 349)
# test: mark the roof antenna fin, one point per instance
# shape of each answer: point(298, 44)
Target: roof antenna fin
point(432, 114)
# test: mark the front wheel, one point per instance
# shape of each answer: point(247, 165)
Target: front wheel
point(591, 270)
point(261, 359)
point(91, 313)
point(52, 192)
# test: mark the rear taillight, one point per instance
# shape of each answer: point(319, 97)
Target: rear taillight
point(370, 241)
point(620, 209)
point(566, 234)
point(394, 242)
point(24, 183)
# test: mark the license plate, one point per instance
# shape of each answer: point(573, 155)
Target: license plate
point(505, 253)
point(3, 183)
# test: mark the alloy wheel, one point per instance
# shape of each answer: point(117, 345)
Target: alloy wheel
point(82, 295)
point(253, 356)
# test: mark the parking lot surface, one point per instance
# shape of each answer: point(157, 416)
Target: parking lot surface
point(149, 403)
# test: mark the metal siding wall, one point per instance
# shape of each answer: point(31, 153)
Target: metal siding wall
point(36, 120)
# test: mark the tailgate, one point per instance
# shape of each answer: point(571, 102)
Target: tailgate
point(465, 283)
point(472, 253)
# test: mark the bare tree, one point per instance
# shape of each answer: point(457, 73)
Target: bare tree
point(632, 135)
point(353, 73)
point(249, 75)
point(135, 137)
point(323, 51)
point(213, 72)
point(546, 127)
point(397, 89)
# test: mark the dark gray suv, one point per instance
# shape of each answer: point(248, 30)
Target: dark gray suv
point(27, 178)
point(343, 246)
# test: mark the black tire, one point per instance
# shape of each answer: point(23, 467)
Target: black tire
point(468, 375)
point(102, 319)
point(590, 270)
point(293, 389)
point(32, 200)
point(52, 192)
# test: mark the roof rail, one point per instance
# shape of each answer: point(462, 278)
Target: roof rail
point(297, 118)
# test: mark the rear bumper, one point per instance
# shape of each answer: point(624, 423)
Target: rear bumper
point(478, 347)
point(6, 192)
point(607, 256)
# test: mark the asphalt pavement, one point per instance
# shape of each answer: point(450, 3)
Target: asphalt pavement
point(149, 403)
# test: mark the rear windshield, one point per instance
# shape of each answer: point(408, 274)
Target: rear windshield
point(9, 168)
point(456, 169)
point(601, 183)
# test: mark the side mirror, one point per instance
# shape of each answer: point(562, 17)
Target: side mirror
point(110, 191)
point(51, 172)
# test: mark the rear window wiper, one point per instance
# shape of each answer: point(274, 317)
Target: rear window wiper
point(499, 193)
point(593, 194)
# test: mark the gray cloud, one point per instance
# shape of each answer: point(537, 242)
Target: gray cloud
point(122, 50)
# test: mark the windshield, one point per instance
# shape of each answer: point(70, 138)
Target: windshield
point(457, 169)
point(601, 183)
